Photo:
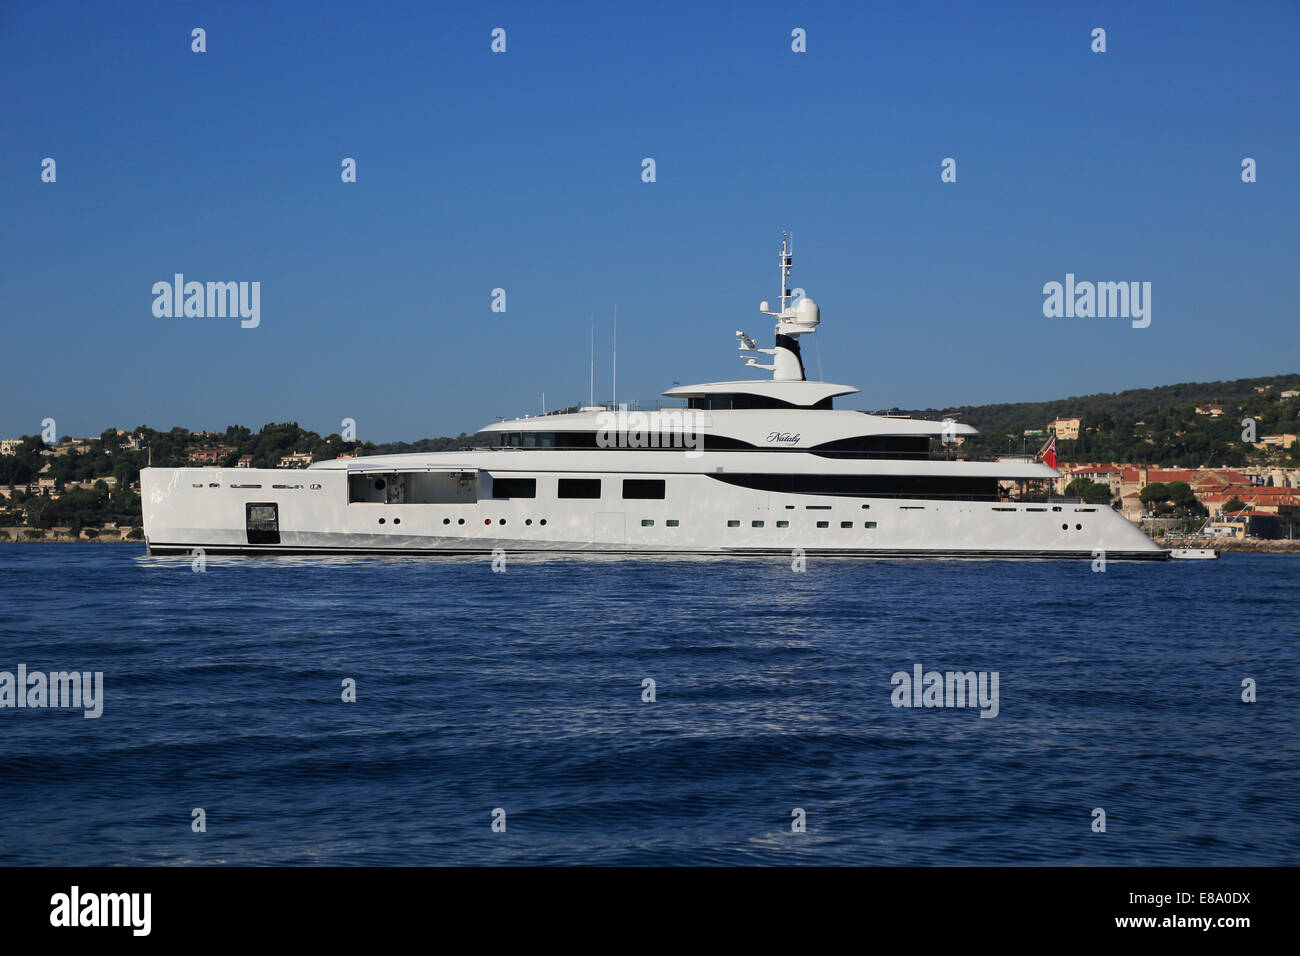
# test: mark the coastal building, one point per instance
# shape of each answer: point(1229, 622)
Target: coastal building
point(1265, 499)
point(108, 480)
point(1214, 411)
point(1250, 523)
point(298, 459)
point(1276, 441)
point(1233, 530)
point(1278, 477)
point(1290, 393)
point(1202, 480)
point(10, 446)
point(245, 461)
point(129, 442)
point(1067, 429)
point(1111, 475)
point(207, 456)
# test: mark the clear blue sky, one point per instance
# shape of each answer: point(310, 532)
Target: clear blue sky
point(523, 171)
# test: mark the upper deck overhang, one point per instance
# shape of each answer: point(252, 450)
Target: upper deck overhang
point(805, 394)
point(668, 462)
point(384, 464)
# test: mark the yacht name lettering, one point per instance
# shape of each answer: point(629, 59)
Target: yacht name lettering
point(784, 438)
point(213, 300)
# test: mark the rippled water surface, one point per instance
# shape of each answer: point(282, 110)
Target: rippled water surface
point(523, 690)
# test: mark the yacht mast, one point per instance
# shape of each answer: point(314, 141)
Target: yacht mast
point(791, 322)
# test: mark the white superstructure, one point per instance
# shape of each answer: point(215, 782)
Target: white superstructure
point(745, 467)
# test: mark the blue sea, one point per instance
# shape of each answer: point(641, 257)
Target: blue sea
point(522, 692)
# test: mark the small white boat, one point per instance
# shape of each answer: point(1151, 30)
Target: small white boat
point(1194, 554)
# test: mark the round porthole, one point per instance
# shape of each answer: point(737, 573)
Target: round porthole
point(1065, 527)
point(487, 520)
point(1078, 527)
point(528, 521)
point(381, 520)
point(379, 484)
point(501, 521)
point(397, 521)
point(543, 521)
point(460, 521)
point(446, 521)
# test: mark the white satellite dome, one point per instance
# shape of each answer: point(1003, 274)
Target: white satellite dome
point(806, 313)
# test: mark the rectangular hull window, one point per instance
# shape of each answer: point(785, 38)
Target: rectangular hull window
point(514, 487)
point(643, 488)
point(263, 523)
point(579, 488)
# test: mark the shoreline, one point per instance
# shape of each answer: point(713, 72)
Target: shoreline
point(1245, 547)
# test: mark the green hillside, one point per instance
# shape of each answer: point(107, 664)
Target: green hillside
point(1150, 425)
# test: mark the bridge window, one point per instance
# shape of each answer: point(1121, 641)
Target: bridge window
point(729, 400)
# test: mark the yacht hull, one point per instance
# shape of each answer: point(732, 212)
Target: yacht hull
point(216, 510)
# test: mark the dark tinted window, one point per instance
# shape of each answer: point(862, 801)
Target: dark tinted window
point(514, 487)
point(894, 486)
point(876, 446)
point(544, 439)
point(729, 400)
point(579, 487)
point(618, 441)
point(643, 487)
